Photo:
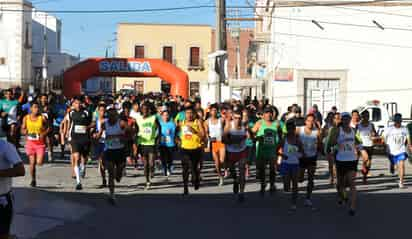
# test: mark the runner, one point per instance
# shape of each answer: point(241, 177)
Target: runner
point(192, 133)
point(330, 155)
point(99, 138)
point(396, 140)
point(214, 129)
point(147, 139)
point(114, 151)
point(35, 127)
point(310, 137)
point(58, 111)
point(268, 134)
point(167, 143)
point(291, 150)
point(235, 135)
point(46, 112)
point(79, 129)
point(10, 166)
point(355, 119)
point(344, 138)
point(130, 145)
point(8, 107)
point(367, 133)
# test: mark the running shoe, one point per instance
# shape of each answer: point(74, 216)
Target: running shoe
point(197, 186)
point(185, 191)
point(33, 184)
point(220, 181)
point(148, 186)
point(83, 172)
point(79, 187)
point(392, 169)
point(401, 185)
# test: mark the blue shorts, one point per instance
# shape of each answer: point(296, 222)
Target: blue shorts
point(286, 169)
point(395, 159)
point(99, 149)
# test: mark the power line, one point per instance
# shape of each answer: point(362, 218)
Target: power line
point(340, 40)
point(337, 23)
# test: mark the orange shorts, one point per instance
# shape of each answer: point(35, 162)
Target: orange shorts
point(217, 146)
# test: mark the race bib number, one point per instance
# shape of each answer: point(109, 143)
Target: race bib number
point(292, 149)
point(147, 130)
point(80, 129)
point(166, 139)
point(33, 137)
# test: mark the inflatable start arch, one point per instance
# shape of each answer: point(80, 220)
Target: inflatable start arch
point(125, 67)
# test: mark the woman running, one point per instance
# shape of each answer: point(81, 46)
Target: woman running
point(214, 129)
point(235, 135)
point(344, 138)
point(291, 150)
point(310, 137)
point(36, 129)
point(191, 136)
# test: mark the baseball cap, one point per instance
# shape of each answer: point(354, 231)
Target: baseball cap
point(268, 109)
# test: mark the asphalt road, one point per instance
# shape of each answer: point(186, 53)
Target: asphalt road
point(55, 210)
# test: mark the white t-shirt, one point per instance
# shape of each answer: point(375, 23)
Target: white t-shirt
point(396, 139)
point(8, 158)
point(135, 115)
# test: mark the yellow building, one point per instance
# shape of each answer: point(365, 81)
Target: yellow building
point(186, 46)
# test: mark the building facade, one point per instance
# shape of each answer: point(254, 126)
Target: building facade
point(186, 46)
point(329, 55)
point(15, 43)
point(46, 35)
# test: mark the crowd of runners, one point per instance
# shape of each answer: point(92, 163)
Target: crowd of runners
point(139, 130)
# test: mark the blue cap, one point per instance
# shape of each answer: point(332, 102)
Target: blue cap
point(346, 114)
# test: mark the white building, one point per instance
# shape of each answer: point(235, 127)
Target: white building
point(341, 55)
point(47, 29)
point(15, 43)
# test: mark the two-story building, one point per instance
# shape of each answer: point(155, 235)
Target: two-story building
point(186, 46)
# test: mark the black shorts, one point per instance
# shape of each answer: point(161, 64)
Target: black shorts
point(6, 212)
point(83, 148)
point(191, 154)
point(115, 155)
point(307, 162)
point(145, 150)
point(369, 151)
point(128, 149)
point(343, 167)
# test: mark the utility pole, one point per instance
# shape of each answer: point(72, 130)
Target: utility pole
point(221, 43)
point(45, 61)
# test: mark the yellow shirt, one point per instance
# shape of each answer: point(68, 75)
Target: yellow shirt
point(189, 140)
point(34, 127)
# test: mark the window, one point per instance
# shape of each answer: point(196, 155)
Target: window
point(194, 89)
point(168, 54)
point(195, 56)
point(2, 61)
point(139, 86)
point(139, 52)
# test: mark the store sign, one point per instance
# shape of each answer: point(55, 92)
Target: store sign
point(125, 66)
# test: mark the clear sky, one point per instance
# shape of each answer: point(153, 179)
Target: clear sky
point(90, 34)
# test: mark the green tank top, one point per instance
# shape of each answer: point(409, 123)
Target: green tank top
point(270, 137)
point(147, 130)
